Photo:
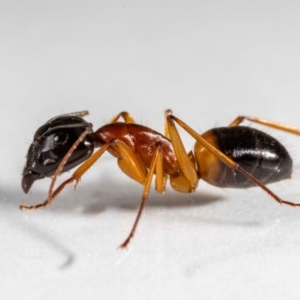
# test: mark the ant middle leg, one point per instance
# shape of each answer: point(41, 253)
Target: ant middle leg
point(125, 115)
point(221, 156)
point(276, 125)
point(157, 167)
point(129, 119)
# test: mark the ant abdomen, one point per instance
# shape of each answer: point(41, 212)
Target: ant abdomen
point(253, 150)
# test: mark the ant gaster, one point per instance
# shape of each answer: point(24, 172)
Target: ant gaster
point(234, 156)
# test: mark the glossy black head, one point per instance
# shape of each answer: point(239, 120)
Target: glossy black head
point(51, 143)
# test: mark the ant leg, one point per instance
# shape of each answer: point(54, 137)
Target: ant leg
point(133, 167)
point(58, 171)
point(179, 183)
point(130, 163)
point(268, 123)
point(168, 112)
point(225, 159)
point(156, 164)
point(79, 171)
point(160, 176)
point(190, 182)
point(76, 176)
point(125, 115)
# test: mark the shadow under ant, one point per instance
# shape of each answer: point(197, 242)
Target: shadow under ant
point(92, 198)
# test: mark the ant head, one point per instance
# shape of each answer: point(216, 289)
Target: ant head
point(51, 143)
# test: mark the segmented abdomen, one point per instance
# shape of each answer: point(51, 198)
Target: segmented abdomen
point(256, 152)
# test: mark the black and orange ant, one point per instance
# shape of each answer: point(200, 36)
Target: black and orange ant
point(233, 156)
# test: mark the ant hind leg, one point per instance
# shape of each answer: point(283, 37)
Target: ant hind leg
point(225, 159)
point(276, 125)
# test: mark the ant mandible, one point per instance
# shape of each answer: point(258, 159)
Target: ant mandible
point(234, 156)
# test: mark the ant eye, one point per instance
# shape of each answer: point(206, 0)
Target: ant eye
point(60, 138)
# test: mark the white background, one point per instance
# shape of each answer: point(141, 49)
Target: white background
point(207, 60)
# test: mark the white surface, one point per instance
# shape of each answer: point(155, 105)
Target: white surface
point(209, 61)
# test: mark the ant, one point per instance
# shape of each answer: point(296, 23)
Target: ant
point(234, 156)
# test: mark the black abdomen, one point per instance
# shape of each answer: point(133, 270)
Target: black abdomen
point(256, 152)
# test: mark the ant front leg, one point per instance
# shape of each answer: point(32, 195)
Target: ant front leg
point(276, 125)
point(75, 177)
point(223, 158)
